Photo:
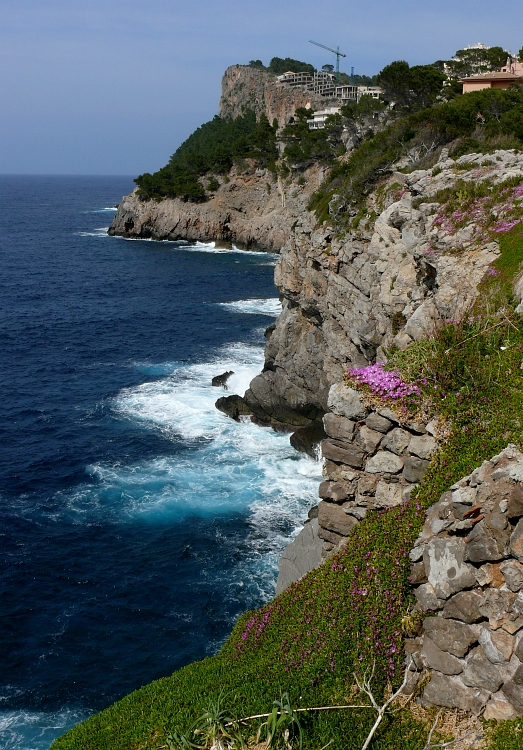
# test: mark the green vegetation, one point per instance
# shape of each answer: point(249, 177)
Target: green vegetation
point(415, 137)
point(411, 88)
point(212, 149)
point(468, 62)
point(304, 146)
point(280, 65)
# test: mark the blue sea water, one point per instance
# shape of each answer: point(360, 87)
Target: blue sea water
point(137, 522)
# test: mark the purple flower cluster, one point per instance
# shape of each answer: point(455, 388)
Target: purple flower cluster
point(383, 383)
point(490, 272)
point(506, 226)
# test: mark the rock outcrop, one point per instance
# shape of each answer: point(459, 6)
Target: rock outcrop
point(251, 209)
point(244, 87)
point(468, 567)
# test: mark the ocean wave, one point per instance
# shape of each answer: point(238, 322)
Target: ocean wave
point(34, 730)
point(270, 306)
point(220, 466)
point(100, 232)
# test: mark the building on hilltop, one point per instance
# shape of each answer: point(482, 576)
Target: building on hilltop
point(319, 82)
point(496, 80)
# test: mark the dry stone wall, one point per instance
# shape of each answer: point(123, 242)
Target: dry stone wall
point(373, 459)
point(467, 568)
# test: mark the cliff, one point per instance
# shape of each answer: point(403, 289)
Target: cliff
point(251, 209)
point(244, 87)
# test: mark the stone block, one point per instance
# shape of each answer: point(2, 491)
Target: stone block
point(414, 469)
point(445, 567)
point(417, 574)
point(464, 496)
point(336, 492)
point(497, 645)
point(329, 536)
point(427, 599)
point(495, 604)
point(437, 659)
point(397, 441)
point(490, 575)
point(368, 439)
point(338, 427)
point(514, 694)
point(444, 690)
point(451, 636)
point(516, 541)
point(515, 502)
point(485, 543)
point(389, 414)
point(384, 462)
point(380, 424)
point(346, 402)
point(367, 484)
point(464, 606)
point(499, 708)
point(481, 673)
point(388, 495)
point(333, 518)
point(422, 446)
point(513, 572)
point(350, 455)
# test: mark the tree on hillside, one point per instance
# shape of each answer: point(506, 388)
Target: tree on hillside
point(279, 65)
point(362, 110)
point(411, 88)
point(469, 62)
point(520, 55)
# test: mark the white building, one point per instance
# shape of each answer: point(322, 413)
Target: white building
point(318, 119)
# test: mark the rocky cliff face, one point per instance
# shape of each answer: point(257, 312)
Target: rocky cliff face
point(244, 87)
point(347, 300)
point(251, 209)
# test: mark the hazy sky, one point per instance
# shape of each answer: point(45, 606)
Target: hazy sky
point(113, 87)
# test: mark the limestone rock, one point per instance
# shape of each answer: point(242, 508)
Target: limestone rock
point(414, 469)
point(387, 495)
point(453, 693)
point(338, 427)
point(306, 439)
point(451, 636)
point(384, 461)
point(497, 645)
point(368, 439)
point(481, 673)
point(495, 605)
point(513, 573)
point(346, 402)
point(397, 441)
point(300, 556)
point(333, 518)
point(513, 690)
point(445, 566)
point(343, 453)
point(422, 446)
point(485, 543)
point(427, 599)
point(437, 659)
point(516, 541)
point(378, 423)
point(464, 606)
point(234, 406)
point(499, 708)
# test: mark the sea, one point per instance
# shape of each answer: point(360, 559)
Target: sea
point(137, 522)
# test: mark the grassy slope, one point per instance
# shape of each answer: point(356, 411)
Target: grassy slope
point(348, 613)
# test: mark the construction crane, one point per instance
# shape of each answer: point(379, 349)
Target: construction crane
point(335, 52)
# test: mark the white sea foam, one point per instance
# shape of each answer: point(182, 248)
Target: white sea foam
point(100, 232)
point(32, 730)
point(210, 247)
point(270, 307)
point(223, 466)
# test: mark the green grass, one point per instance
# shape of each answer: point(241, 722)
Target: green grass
point(349, 613)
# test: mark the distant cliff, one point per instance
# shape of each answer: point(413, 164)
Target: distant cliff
point(244, 87)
